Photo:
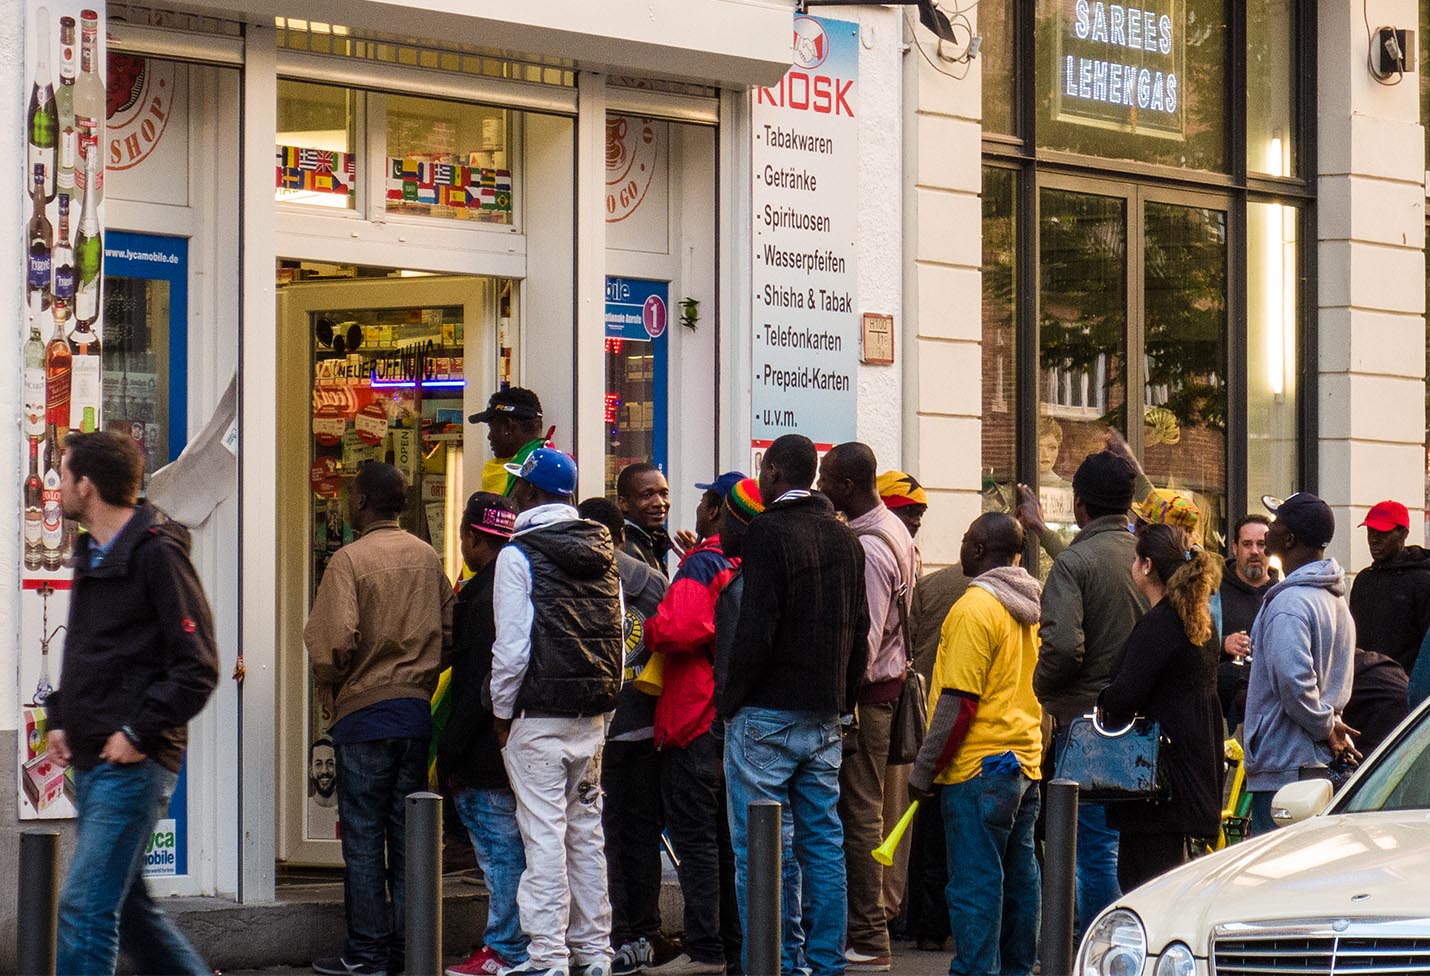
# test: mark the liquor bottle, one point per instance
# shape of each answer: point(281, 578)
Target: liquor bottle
point(34, 510)
point(52, 528)
point(85, 382)
point(34, 383)
point(42, 120)
point(88, 250)
point(90, 106)
point(40, 236)
point(62, 255)
point(58, 364)
point(64, 104)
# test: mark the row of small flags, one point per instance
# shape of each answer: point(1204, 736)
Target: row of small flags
point(315, 170)
point(408, 180)
point(448, 185)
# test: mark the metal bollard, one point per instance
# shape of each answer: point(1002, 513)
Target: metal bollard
point(1059, 876)
point(38, 905)
point(423, 884)
point(762, 897)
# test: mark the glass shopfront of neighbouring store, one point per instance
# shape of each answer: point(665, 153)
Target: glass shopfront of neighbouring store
point(1147, 188)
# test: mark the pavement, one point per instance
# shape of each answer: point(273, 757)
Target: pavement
point(908, 961)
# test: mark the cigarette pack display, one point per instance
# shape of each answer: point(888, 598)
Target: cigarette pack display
point(44, 781)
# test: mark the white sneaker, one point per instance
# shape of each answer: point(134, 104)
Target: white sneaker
point(861, 962)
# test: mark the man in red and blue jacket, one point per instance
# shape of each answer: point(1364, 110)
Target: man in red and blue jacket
point(692, 744)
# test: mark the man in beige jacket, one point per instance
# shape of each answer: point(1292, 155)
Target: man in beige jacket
point(379, 634)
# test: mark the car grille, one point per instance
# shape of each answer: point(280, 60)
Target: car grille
point(1315, 948)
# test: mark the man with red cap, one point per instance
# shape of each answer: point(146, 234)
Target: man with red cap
point(1390, 600)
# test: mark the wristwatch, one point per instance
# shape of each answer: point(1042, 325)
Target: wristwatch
point(133, 737)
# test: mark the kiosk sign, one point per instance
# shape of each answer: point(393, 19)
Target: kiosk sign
point(1120, 65)
point(806, 159)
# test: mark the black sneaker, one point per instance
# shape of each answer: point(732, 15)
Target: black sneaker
point(338, 966)
point(633, 957)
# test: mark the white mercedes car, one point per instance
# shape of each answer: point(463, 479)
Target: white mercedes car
point(1343, 888)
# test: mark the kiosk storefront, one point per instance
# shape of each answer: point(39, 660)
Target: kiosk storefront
point(375, 223)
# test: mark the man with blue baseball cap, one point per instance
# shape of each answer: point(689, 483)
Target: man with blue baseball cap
point(556, 672)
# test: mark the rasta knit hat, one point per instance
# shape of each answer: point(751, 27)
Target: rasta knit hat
point(1105, 481)
point(744, 502)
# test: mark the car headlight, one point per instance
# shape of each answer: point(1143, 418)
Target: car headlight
point(1176, 960)
point(1116, 946)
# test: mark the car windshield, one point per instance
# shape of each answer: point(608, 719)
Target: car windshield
point(1400, 778)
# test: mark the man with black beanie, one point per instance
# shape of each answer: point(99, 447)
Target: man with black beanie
point(1090, 605)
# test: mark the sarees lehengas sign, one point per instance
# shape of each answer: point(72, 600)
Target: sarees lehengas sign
point(1121, 65)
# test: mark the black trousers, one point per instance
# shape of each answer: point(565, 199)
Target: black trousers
point(632, 819)
point(1143, 856)
point(693, 784)
point(928, 875)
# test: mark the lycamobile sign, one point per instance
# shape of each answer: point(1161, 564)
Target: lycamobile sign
point(1120, 65)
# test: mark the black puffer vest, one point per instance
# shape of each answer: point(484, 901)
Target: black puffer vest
point(577, 644)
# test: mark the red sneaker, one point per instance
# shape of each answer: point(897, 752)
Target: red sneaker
point(483, 962)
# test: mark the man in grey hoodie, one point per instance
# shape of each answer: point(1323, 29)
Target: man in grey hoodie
point(1303, 657)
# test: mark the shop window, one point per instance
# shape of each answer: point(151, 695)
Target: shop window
point(1000, 375)
point(997, 54)
point(1184, 410)
point(1425, 85)
point(1270, 87)
point(317, 145)
point(448, 159)
point(1144, 82)
point(1272, 313)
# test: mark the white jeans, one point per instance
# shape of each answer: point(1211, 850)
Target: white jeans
point(553, 764)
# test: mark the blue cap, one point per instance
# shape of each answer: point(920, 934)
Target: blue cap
point(550, 470)
point(722, 485)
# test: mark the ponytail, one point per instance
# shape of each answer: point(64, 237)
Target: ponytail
point(1189, 574)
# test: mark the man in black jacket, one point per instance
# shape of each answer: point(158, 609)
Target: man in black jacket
point(801, 647)
point(468, 758)
point(140, 661)
point(644, 498)
point(1244, 584)
point(1390, 601)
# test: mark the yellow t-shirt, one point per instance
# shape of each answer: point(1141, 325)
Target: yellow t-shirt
point(984, 651)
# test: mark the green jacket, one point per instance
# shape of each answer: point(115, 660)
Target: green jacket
point(1090, 605)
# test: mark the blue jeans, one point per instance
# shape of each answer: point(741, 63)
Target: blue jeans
point(490, 819)
point(374, 779)
point(994, 887)
point(105, 905)
point(1261, 822)
point(1097, 885)
point(793, 758)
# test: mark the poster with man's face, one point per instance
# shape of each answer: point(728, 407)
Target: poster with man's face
point(322, 790)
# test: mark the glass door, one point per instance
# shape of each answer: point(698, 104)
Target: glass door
point(377, 365)
point(1082, 338)
point(1133, 323)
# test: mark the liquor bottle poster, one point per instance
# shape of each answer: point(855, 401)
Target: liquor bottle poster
point(59, 337)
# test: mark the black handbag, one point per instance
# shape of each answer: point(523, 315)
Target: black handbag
point(911, 708)
point(1113, 764)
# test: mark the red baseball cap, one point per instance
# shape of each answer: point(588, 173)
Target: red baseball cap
point(1386, 515)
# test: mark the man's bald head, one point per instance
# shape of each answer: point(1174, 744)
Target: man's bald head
point(994, 539)
point(854, 462)
point(849, 476)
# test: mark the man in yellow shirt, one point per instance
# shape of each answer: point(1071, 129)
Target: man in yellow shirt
point(984, 749)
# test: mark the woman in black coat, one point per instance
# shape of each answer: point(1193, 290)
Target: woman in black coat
point(1168, 674)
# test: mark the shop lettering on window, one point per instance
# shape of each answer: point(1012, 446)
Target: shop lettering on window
point(1120, 65)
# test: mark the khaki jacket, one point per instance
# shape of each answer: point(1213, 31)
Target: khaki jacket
point(381, 624)
point(1090, 605)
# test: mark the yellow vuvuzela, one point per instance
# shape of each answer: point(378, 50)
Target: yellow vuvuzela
point(884, 853)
